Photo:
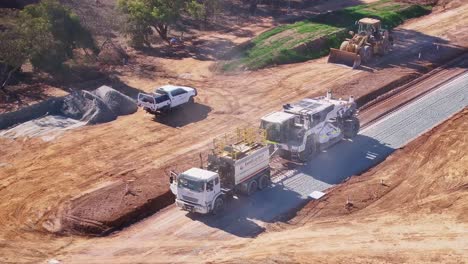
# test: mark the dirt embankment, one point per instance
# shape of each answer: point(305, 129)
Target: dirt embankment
point(412, 208)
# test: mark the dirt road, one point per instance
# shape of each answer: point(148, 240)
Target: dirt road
point(38, 176)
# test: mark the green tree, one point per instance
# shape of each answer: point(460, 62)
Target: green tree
point(203, 9)
point(45, 34)
point(51, 32)
point(12, 56)
point(144, 16)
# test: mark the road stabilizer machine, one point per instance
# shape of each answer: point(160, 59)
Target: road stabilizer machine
point(304, 128)
point(238, 164)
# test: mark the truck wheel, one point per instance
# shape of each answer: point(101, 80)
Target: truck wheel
point(252, 187)
point(263, 182)
point(191, 100)
point(351, 127)
point(218, 205)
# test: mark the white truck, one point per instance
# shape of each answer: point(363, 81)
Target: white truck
point(304, 128)
point(166, 98)
point(238, 168)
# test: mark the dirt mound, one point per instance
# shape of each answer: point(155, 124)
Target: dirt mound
point(109, 207)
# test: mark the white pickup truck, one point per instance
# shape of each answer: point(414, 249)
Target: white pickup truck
point(165, 98)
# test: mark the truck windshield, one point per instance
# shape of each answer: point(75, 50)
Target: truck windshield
point(273, 131)
point(190, 183)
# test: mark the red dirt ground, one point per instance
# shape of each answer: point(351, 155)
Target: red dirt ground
point(38, 177)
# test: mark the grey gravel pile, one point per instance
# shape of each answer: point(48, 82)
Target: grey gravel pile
point(117, 102)
point(99, 106)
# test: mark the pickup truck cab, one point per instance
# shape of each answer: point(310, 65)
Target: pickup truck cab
point(165, 98)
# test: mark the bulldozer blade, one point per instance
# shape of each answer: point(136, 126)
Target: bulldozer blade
point(344, 57)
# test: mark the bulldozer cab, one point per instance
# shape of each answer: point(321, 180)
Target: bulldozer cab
point(368, 26)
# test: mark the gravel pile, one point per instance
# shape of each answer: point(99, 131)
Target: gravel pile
point(56, 115)
point(99, 106)
point(116, 101)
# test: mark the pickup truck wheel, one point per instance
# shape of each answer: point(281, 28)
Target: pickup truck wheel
point(252, 187)
point(263, 182)
point(218, 205)
point(191, 100)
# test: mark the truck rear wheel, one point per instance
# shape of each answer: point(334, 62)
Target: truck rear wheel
point(191, 100)
point(218, 205)
point(263, 182)
point(252, 187)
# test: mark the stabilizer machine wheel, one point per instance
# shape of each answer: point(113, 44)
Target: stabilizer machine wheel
point(351, 127)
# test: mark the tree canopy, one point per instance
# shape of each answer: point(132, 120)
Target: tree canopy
point(146, 16)
point(45, 34)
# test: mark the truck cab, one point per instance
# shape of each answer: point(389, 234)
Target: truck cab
point(165, 98)
point(196, 190)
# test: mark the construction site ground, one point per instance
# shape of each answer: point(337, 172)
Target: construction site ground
point(246, 218)
point(409, 209)
point(121, 164)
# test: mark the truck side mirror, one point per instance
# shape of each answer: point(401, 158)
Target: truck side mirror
point(171, 179)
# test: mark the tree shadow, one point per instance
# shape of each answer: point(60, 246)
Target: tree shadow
point(184, 115)
point(244, 216)
point(200, 49)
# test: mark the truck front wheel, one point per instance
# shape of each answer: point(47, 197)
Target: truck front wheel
point(218, 205)
point(351, 127)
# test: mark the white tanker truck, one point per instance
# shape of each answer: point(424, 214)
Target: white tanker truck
point(238, 168)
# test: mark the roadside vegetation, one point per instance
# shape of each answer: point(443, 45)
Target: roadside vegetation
point(45, 35)
point(312, 38)
point(146, 17)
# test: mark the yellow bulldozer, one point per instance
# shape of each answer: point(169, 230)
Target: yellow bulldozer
point(370, 40)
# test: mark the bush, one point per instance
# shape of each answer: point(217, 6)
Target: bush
point(51, 32)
